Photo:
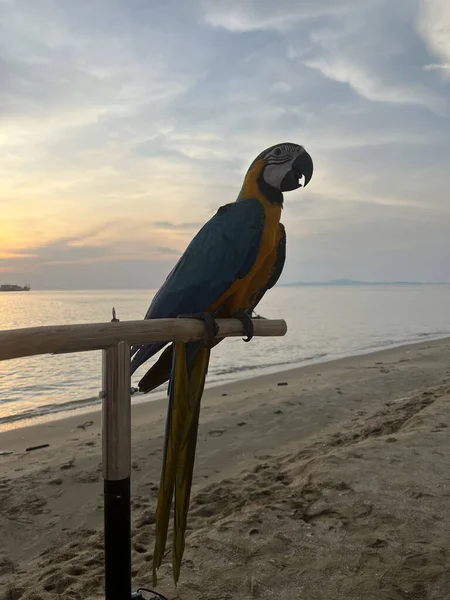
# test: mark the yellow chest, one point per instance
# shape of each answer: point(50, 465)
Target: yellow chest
point(273, 215)
point(272, 211)
point(240, 293)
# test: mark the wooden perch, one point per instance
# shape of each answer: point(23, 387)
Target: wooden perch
point(58, 339)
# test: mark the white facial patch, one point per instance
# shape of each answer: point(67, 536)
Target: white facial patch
point(274, 174)
point(280, 163)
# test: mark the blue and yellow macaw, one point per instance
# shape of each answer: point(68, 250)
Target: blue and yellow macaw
point(159, 373)
point(225, 271)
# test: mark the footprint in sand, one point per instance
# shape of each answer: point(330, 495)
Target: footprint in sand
point(147, 518)
point(55, 481)
point(88, 477)
point(216, 432)
point(7, 566)
point(139, 548)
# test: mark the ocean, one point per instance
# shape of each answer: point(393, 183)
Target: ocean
point(324, 323)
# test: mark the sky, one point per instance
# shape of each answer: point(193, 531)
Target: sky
point(125, 125)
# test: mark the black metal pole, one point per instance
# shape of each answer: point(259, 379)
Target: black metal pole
point(116, 426)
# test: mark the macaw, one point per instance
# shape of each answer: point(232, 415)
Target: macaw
point(159, 373)
point(225, 271)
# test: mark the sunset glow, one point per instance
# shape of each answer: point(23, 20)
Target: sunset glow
point(117, 143)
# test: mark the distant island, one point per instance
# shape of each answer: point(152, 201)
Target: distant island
point(7, 287)
point(350, 282)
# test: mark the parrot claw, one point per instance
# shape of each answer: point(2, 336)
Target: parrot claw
point(247, 323)
point(211, 327)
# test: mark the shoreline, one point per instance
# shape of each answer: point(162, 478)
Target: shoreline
point(158, 406)
point(94, 408)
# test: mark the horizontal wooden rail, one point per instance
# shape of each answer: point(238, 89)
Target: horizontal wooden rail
point(59, 339)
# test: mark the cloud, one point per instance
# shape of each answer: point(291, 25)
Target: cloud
point(437, 67)
point(127, 125)
point(357, 231)
point(91, 263)
point(6, 269)
point(434, 26)
point(255, 15)
point(164, 250)
point(168, 225)
point(383, 69)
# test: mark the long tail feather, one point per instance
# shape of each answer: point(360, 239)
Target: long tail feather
point(178, 397)
point(186, 458)
point(186, 389)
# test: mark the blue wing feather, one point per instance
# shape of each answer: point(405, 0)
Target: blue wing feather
point(224, 250)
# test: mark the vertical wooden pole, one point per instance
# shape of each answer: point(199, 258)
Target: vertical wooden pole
point(116, 432)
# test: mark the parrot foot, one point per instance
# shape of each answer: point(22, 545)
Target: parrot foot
point(247, 323)
point(211, 327)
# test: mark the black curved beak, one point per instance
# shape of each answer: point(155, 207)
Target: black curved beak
point(303, 167)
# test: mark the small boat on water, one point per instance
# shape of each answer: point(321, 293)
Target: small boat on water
point(14, 288)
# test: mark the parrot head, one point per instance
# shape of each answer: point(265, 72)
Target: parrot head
point(285, 165)
point(278, 169)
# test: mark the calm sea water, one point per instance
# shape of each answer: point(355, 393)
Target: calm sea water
point(323, 323)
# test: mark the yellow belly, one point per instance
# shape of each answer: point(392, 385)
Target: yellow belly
point(241, 293)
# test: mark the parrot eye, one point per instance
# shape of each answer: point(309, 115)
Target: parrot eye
point(277, 152)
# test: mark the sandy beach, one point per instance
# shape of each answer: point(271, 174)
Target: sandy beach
point(327, 482)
